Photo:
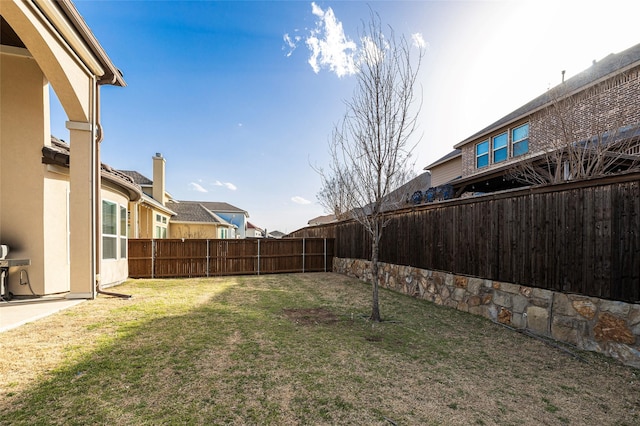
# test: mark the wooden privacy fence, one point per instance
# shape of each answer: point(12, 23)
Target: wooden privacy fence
point(579, 237)
point(169, 258)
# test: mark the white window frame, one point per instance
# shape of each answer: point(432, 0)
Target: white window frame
point(504, 147)
point(519, 141)
point(111, 237)
point(486, 154)
point(160, 226)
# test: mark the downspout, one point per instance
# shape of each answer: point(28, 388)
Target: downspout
point(99, 136)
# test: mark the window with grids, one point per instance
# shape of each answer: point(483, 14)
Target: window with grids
point(114, 230)
point(500, 149)
point(508, 144)
point(109, 230)
point(520, 140)
point(482, 154)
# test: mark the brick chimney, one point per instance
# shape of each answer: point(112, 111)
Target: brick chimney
point(158, 191)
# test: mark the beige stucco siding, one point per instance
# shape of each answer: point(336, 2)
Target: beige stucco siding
point(193, 230)
point(56, 232)
point(24, 112)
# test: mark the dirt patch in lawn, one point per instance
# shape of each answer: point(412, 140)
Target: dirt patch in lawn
point(311, 316)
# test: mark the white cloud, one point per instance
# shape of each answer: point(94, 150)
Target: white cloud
point(418, 41)
point(227, 185)
point(330, 47)
point(300, 200)
point(291, 43)
point(196, 187)
point(371, 52)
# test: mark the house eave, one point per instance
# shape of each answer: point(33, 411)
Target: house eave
point(109, 74)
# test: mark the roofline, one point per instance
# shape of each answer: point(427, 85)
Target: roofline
point(493, 127)
point(111, 74)
point(147, 199)
point(134, 191)
point(226, 224)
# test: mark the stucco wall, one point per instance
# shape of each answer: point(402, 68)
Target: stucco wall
point(608, 327)
point(24, 120)
point(192, 230)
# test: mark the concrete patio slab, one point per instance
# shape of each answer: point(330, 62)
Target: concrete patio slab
point(18, 312)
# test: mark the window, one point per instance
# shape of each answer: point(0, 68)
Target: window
point(161, 232)
point(109, 230)
point(511, 143)
point(123, 232)
point(520, 140)
point(114, 230)
point(500, 147)
point(160, 228)
point(482, 154)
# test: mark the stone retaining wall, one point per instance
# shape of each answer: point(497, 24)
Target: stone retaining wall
point(608, 327)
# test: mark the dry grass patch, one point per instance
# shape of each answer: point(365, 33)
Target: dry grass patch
point(295, 349)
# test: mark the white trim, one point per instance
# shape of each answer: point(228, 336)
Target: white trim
point(79, 125)
point(61, 23)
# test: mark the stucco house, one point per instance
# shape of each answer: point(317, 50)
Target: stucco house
point(158, 215)
point(150, 216)
point(116, 192)
point(232, 215)
point(591, 107)
point(50, 214)
point(254, 231)
point(194, 220)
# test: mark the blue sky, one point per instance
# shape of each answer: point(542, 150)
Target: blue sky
point(229, 92)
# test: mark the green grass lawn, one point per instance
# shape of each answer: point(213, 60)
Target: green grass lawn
point(295, 349)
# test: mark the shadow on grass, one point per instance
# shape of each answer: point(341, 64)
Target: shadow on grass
point(291, 349)
point(219, 363)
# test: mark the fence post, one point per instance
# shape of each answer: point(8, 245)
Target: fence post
point(303, 249)
point(325, 255)
point(258, 256)
point(207, 260)
point(153, 258)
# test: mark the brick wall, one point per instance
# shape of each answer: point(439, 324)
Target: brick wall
point(608, 105)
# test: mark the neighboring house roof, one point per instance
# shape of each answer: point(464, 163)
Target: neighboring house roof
point(142, 180)
point(195, 212)
point(320, 220)
point(418, 183)
point(220, 207)
point(276, 234)
point(252, 226)
point(611, 64)
point(59, 152)
point(156, 204)
point(138, 178)
point(450, 156)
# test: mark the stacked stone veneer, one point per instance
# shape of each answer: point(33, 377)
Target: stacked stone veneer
point(593, 324)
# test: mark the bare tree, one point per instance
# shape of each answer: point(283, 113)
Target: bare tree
point(371, 147)
point(587, 134)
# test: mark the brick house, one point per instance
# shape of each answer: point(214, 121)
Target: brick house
point(597, 103)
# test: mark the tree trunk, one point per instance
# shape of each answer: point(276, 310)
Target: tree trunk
point(375, 309)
